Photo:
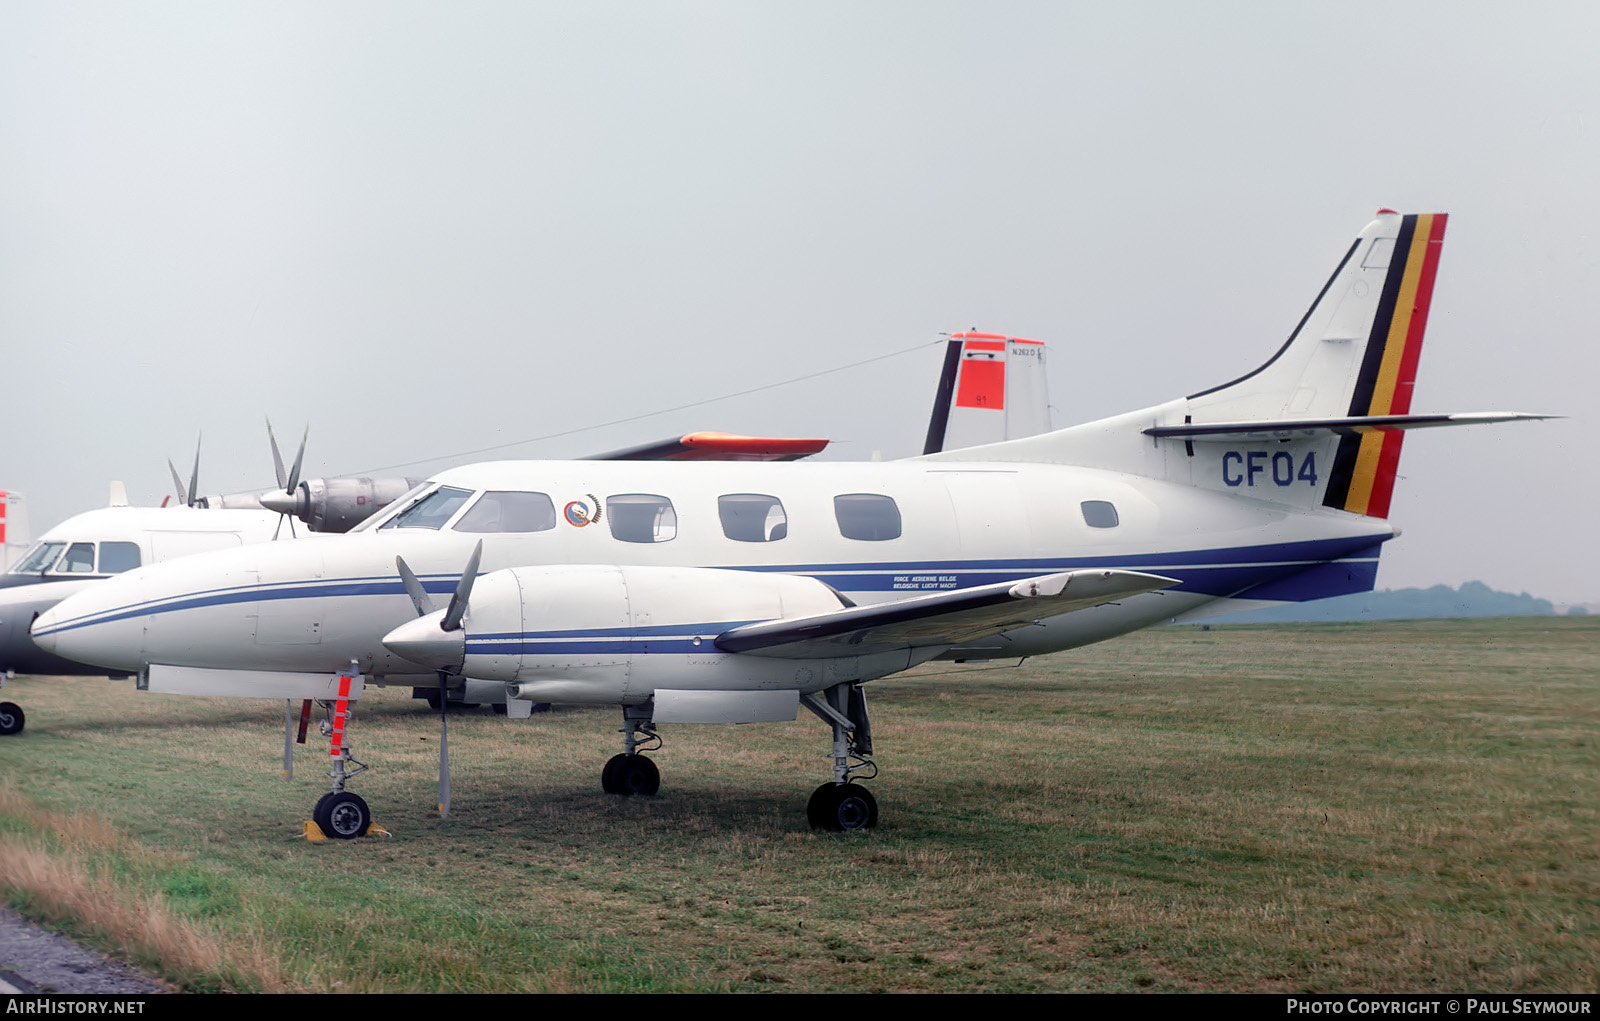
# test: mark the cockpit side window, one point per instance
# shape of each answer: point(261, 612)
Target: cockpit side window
point(39, 559)
point(432, 511)
point(116, 557)
point(509, 512)
point(79, 559)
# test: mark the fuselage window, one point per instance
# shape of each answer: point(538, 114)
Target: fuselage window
point(116, 557)
point(509, 512)
point(1099, 514)
point(40, 558)
point(867, 516)
point(751, 517)
point(641, 517)
point(432, 511)
point(79, 559)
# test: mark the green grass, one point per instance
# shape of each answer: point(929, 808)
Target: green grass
point(1386, 806)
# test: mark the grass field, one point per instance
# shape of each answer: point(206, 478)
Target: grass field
point(1395, 806)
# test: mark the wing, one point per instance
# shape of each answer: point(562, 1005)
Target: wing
point(943, 618)
point(710, 446)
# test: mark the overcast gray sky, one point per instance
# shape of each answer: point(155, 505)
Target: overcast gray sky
point(429, 228)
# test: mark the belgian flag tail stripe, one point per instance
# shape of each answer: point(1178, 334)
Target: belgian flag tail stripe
point(1362, 479)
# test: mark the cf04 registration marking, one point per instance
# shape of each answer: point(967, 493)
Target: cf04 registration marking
point(1262, 468)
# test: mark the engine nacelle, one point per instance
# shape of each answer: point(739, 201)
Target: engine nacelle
point(338, 505)
point(614, 634)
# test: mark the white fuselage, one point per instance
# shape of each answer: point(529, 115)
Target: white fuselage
point(317, 606)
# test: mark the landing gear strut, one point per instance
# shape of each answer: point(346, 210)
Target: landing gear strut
point(630, 772)
point(844, 805)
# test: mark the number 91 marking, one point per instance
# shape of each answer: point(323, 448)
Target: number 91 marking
point(1257, 467)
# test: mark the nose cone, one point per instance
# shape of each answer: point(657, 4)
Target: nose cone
point(422, 641)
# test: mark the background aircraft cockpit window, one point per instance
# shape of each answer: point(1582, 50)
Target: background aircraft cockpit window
point(509, 512)
point(867, 516)
point(1099, 514)
point(116, 557)
point(39, 559)
point(395, 507)
point(751, 517)
point(79, 559)
point(641, 517)
point(432, 511)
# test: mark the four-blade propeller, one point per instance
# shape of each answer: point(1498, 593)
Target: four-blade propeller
point(286, 504)
point(436, 639)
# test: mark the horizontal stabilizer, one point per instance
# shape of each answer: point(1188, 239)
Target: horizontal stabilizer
point(1308, 428)
point(710, 446)
point(944, 618)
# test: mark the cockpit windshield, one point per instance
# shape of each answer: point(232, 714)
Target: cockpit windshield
point(432, 511)
point(40, 558)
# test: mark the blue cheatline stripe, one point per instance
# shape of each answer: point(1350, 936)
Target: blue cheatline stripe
point(1214, 572)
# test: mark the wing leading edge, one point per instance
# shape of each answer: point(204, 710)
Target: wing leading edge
point(942, 618)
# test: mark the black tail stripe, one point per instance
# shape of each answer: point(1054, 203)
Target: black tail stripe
point(1372, 359)
point(942, 398)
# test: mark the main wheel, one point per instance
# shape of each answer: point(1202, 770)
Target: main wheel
point(11, 718)
point(840, 807)
point(342, 815)
point(630, 774)
point(608, 775)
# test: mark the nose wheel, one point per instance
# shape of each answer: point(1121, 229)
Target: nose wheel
point(342, 815)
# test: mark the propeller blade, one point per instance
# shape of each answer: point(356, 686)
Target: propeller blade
point(414, 589)
point(277, 459)
point(458, 602)
point(194, 478)
point(444, 748)
point(177, 480)
point(294, 473)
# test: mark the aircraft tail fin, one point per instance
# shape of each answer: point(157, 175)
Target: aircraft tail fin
point(992, 389)
point(1321, 422)
point(1354, 354)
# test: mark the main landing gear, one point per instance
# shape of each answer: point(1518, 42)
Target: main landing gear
point(844, 805)
point(630, 772)
point(839, 806)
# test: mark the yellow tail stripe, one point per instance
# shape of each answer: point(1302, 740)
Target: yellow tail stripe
point(1365, 472)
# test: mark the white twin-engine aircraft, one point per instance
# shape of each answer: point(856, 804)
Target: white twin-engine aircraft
point(737, 592)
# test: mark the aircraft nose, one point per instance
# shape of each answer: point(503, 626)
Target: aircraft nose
point(423, 641)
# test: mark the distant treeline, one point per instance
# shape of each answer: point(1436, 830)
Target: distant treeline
point(1473, 599)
